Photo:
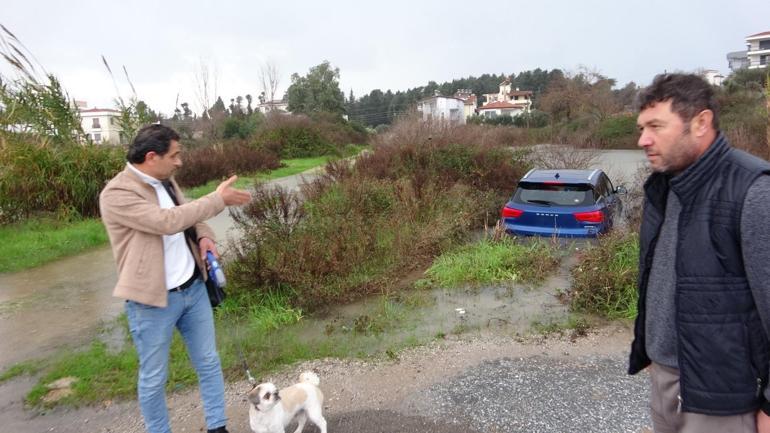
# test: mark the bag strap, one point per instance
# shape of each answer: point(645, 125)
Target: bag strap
point(189, 232)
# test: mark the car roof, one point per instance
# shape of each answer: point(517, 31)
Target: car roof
point(562, 175)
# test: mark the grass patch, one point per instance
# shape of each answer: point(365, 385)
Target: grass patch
point(490, 262)
point(36, 242)
point(604, 280)
point(578, 324)
point(101, 375)
point(22, 368)
point(269, 332)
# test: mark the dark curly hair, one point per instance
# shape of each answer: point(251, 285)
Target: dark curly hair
point(151, 138)
point(689, 95)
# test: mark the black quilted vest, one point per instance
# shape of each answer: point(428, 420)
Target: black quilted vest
point(722, 347)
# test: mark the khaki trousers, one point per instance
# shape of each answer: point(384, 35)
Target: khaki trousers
point(666, 417)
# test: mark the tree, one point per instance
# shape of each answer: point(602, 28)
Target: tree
point(249, 110)
point(318, 91)
point(268, 75)
point(218, 108)
point(205, 86)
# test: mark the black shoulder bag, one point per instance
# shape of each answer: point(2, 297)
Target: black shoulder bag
point(216, 293)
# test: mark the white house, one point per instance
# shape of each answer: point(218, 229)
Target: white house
point(442, 108)
point(758, 50)
point(282, 106)
point(467, 95)
point(713, 77)
point(506, 102)
point(100, 124)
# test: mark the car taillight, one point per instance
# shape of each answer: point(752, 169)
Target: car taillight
point(590, 217)
point(509, 212)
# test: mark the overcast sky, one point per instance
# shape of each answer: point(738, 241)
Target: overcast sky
point(390, 44)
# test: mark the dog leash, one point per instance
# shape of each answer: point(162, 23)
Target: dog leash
point(249, 377)
point(239, 348)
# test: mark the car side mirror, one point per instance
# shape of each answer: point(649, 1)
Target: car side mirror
point(621, 190)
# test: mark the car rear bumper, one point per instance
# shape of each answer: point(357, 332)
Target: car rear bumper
point(581, 232)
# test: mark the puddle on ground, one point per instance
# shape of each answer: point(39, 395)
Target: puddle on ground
point(381, 323)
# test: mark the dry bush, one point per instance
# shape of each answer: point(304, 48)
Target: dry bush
point(752, 140)
point(349, 240)
point(558, 157)
point(206, 163)
point(634, 200)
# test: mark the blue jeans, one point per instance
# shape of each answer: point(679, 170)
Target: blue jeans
point(152, 328)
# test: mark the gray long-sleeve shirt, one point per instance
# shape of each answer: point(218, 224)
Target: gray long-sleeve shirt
point(660, 330)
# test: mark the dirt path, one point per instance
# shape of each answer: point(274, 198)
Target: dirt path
point(478, 383)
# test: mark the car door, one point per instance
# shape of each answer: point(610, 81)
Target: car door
point(612, 200)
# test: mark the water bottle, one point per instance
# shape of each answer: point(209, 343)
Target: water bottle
point(216, 273)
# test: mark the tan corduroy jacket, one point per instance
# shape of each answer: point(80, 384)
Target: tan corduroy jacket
point(136, 224)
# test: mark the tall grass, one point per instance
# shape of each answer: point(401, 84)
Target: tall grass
point(604, 280)
point(36, 177)
point(489, 262)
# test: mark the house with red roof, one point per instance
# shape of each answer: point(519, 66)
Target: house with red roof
point(506, 102)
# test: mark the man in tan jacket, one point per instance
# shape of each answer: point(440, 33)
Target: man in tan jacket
point(161, 271)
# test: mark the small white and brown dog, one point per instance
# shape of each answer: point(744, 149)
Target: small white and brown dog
point(271, 410)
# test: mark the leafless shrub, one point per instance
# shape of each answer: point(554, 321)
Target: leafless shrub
point(556, 157)
point(634, 199)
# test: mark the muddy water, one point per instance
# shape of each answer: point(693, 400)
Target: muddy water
point(65, 302)
point(61, 302)
point(419, 316)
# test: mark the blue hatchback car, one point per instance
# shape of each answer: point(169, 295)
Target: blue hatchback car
point(564, 203)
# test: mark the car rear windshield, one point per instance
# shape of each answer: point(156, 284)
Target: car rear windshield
point(554, 194)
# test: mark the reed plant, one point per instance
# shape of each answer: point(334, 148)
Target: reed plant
point(64, 181)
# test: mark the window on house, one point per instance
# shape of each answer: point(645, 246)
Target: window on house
point(95, 123)
point(764, 45)
point(112, 120)
point(97, 138)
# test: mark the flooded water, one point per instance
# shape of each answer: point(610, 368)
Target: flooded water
point(65, 303)
point(55, 304)
point(380, 323)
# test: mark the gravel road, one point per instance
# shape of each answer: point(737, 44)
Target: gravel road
point(480, 383)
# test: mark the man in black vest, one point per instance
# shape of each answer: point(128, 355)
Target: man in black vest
point(704, 267)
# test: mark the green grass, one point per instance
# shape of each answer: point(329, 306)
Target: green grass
point(36, 242)
point(604, 280)
point(576, 323)
point(490, 262)
point(269, 332)
point(22, 368)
